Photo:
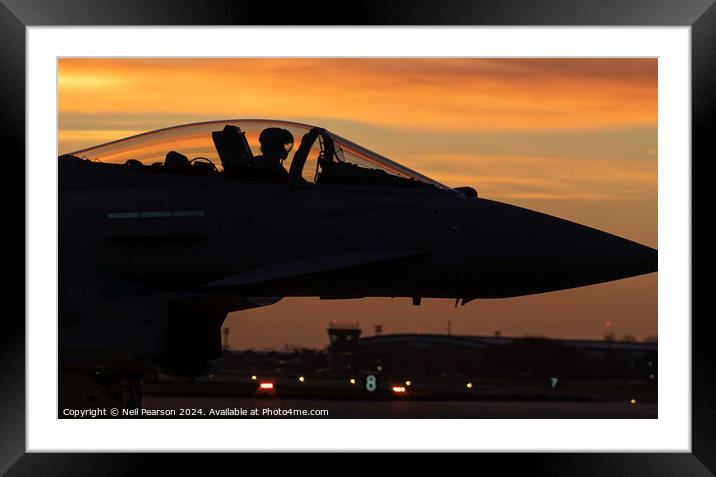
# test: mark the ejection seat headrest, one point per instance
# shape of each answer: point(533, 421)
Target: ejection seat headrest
point(175, 161)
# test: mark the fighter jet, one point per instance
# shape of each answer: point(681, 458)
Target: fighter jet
point(163, 233)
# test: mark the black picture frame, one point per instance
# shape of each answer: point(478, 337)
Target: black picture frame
point(16, 15)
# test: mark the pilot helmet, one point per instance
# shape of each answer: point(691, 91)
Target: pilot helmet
point(275, 138)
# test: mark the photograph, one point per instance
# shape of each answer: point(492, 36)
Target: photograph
point(240, 231)
point(357, 237)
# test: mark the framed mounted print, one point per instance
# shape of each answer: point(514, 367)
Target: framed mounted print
point(432, 230)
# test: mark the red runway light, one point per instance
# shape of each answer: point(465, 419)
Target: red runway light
point(266, 386)
point(398, 389)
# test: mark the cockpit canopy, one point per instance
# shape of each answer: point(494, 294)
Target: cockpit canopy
point(232, 147)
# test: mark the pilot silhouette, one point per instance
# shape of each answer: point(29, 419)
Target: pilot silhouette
point(275, 146)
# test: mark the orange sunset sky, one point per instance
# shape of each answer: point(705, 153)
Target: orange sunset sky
point(575, 138)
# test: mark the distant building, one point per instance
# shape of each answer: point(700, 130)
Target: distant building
point(344, 339)
point(493, 356)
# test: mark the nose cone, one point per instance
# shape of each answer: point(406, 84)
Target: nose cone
point(516, 251)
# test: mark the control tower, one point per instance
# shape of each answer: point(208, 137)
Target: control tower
point(343, 343)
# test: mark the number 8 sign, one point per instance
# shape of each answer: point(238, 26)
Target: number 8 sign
point(371, 383)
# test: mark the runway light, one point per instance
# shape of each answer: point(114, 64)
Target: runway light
point(469, 385)
point(398, 389)
point(408, 383)
point(353, 381)
point(266, 386)
point(633, 402)
point(253, 377)
point(302, 379)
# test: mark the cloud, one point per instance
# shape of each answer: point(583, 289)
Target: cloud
point(505, 177)
point(469, 95)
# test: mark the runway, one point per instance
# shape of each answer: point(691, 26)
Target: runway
point(397, 409)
